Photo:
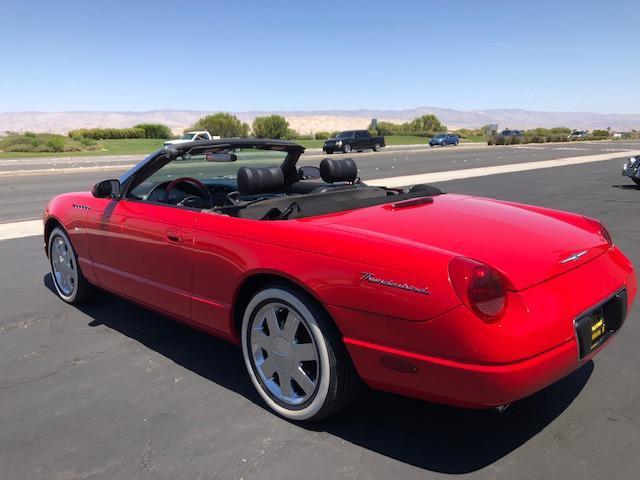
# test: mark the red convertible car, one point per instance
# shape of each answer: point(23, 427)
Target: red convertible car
point(327, 282)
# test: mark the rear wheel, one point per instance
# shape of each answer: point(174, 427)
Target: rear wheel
point(295, 356)
point(346, 148)
point(68, 280)
point(376, 147)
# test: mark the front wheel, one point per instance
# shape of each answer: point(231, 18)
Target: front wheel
point(295, 356)
point(68, 279)
point(346, 148)
point(637, 180)
point(376, 147)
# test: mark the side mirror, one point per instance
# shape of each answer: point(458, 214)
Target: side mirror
point(106, 189)
point(221, 157)
point(308, 173)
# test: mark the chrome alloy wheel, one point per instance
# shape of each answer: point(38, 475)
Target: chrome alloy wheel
point(284, 353)
point(63, 265)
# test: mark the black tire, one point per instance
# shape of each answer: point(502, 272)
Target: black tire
point(346, 148)
point(376, 147)
point(636, 180)
point(336, 380)
point(455, 144)
point(329, 152)
point(79, 290)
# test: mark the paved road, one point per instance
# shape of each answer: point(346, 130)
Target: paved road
point(112, 391)
point(22, 197)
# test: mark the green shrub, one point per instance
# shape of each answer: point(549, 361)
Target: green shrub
point(55, 144)
point(107, 133)
point(87, 142)
point(20, 147)
point(600, 134)
point(223, 124)
point(322, 135)
point(29, 134)
point(155, 130)
point(272, 126)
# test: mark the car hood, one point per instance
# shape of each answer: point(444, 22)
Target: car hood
point(526, 245)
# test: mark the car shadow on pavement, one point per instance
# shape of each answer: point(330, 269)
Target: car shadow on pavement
point(627, 187)
point(430, 436)
point(447, 439)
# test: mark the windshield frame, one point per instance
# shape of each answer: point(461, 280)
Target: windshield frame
point(158, 159)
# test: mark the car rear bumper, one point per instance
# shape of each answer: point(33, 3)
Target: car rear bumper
point(461, 384)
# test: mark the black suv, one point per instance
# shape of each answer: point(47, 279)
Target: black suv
point(353, 140)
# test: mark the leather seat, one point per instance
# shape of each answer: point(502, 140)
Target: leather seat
point(340, 174)
point(255, 181)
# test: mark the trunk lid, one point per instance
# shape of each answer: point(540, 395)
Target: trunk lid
point(529, 247)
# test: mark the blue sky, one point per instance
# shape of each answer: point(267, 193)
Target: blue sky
point(298, 55)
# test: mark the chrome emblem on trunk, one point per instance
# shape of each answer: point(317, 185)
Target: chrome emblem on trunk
point(574, 257)
point(371, 278)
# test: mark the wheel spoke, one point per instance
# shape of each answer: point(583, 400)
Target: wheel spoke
point(259, 339)
point(303, 380)
point(268, 367)
point(59, 248)
point(272, 322)
point(304, 352)
point(290, 326)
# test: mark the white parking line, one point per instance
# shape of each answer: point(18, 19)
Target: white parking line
point(32, 228)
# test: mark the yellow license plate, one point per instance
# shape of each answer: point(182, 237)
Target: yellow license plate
point(598, 328)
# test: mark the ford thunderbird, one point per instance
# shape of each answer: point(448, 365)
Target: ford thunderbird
point(327, 283)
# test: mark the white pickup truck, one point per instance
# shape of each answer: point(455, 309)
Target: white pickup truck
point(191, 137)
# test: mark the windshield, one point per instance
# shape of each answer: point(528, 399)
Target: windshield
point(209, 173)
point(187, 136)
point(345, 135)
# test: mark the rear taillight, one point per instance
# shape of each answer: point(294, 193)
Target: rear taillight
point(480, 287)
point(599, 227)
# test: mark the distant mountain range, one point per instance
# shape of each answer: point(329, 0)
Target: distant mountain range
point(318, 120)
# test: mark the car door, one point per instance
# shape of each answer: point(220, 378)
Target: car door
point(361, 140)
point(144, 251)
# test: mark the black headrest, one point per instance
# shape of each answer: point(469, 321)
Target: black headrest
point(338, 170)
point(252, 181)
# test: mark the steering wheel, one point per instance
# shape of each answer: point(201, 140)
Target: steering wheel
point(201, 188)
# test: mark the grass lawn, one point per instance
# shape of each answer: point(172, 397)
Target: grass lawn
point(133, 146)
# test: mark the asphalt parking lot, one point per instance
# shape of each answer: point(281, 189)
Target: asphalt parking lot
point(113, 391)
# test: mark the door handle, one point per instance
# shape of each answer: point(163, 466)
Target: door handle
point(174, 237)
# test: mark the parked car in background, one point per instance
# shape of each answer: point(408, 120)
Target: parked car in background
point(511, 133)
point(353, 140)
point(631, 169)
point(444, 139)
point(577, 134)
point(191, 137)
